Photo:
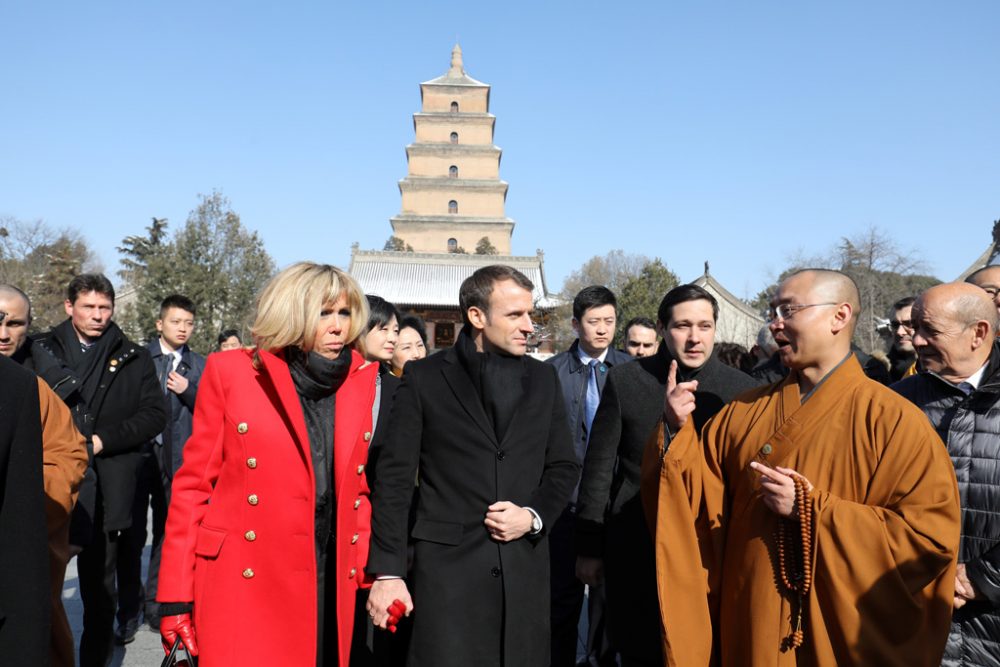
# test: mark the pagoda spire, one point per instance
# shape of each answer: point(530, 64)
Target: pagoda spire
point(457, 68)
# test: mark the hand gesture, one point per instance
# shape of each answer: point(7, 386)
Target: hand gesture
point(679, 401)
point(505, 521)
point(964, 590)
point(177, 383)
point(777, 488)
point(383, 596)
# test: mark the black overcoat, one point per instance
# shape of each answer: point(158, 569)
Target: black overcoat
point(611, 523)
point(476, 601)
point(25, 604)
point(126, 412)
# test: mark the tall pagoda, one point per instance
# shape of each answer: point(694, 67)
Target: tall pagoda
point(452, 219)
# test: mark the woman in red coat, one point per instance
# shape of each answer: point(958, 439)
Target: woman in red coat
point(269, 522)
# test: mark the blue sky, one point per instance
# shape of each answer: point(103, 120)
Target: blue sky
point(733, 132)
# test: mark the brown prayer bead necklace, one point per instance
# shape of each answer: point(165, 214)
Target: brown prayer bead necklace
point(794, 567)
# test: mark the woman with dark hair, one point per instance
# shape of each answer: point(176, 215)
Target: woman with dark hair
point(269, 522)
point(411, 345)
point(382, 333)
point(229, 339)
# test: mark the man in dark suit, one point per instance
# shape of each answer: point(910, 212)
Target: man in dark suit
point(583, 370)
point(484, 426)
point(613, 541)
point(118, 407)
point(179, 370)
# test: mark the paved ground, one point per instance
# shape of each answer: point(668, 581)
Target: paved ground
point(145, 651)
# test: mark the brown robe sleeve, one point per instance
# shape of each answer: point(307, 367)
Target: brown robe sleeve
point(64, 458)
point(685, 499)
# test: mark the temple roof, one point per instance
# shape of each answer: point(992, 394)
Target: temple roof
point(738, 322)
point(409, 279)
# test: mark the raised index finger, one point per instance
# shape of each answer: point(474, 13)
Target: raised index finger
point(672, 377)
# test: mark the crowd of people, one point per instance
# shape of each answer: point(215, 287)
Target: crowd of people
point(328, 494)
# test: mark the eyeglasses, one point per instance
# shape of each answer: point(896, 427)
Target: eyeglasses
point(785, 311)
point(992, 291)
point(906, 324)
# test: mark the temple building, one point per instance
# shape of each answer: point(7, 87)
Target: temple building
point(452, 219)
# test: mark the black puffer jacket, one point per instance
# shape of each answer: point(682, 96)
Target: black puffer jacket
point(970, 425)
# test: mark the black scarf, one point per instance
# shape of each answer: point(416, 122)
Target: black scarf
point(87, 366)
point(498, 379)
point(316, 381)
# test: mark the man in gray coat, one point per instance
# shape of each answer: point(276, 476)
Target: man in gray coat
point(958, 389)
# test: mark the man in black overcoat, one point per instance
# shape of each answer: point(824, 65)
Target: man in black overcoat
point(485, 429)
point(612, 540)
point(117, 405)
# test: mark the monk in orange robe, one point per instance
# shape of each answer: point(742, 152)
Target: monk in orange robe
point(877, 490)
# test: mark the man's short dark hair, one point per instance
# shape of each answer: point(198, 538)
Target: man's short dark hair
point(415, 323)
point(638, 322)
point(90, 282)
point(380, 312)
point(903, 303)
point(226, 334)
point(594, 296)
point(177, 301)
point(681, 294)
point(476, 289)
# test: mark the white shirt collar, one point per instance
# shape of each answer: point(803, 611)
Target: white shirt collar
point(976, 377)
point(586, 358)
point(174, 354)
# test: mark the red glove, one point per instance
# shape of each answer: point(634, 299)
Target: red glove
point(172, 627)
point(396, 611)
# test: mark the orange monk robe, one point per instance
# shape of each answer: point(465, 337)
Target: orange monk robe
point(64, 462)
point(885, 530)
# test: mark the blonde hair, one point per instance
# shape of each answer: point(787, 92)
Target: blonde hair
point(289, 306)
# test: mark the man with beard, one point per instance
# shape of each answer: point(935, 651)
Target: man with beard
point(118, 407)
point(902, 357)
point(613, 540)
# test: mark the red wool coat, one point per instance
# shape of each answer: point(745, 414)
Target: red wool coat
point(240, 531)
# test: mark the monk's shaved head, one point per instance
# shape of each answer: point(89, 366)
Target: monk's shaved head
point(11, 293)
point(832, 285)
point(963, 303)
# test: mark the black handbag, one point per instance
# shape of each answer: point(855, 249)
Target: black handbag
point(174, 660)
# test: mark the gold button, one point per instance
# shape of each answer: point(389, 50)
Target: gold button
point(251, 462)
point(357, 503)
point(253, 499)
point(354, 538)
point(242, 427)
point(766, 449)
point(248, 573)
point(368, 436)
point(250, 535)
point(361, 469)
point(353, 572)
